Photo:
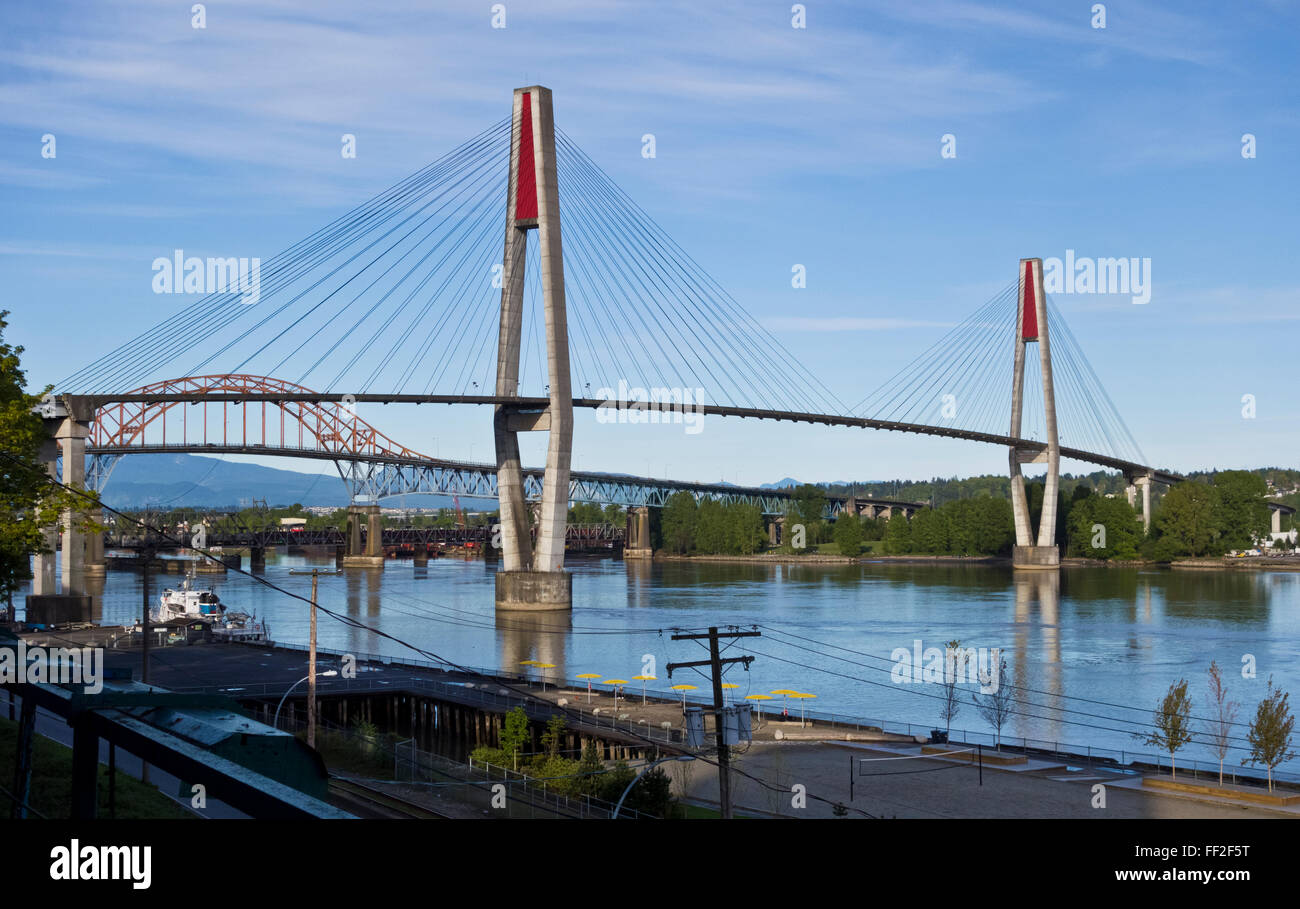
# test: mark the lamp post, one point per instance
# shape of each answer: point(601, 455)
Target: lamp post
point(326, 674)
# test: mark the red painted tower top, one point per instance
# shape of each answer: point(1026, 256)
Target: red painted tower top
point(1029, 303)
point(525, 170)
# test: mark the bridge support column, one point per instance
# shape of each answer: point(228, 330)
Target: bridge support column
point(371, 555)
point(636, 543)
point(44, 580)
point(533, 579)
point(257, 560)
point(1277, 520)
point(72, 435)
point(775, 530)
point(1031, 326)
point(1145, 483)
point(95, 566)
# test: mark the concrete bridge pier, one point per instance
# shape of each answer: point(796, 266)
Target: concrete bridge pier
point(95, 565)
point(72, 435)
point(44, 579)
point(1031, 327)
point(371, 553)
point(775, 530)
point(636, 543)
point(1276, 516)
point(257, 560)
point(533, 578)
point(1145, 484)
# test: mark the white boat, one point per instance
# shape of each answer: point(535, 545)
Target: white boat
point(191, 602)
point(188, 602)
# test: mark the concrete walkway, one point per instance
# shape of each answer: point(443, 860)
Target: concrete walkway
point(920, 787)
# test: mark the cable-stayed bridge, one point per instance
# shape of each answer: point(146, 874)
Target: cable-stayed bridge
point(396, 302)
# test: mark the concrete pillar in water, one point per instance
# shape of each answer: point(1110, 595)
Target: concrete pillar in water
point(371, 555)
point(533, 580)
point(636, 544)
point(1031, 327)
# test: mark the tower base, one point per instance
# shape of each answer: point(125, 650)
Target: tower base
point(363, 561)
point(1035, 557)
point(646, 553)
point(534, 591)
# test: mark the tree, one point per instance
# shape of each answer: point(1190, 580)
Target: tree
point(1219, 727)
point(1121, 531)
point(998, 704)
point(949, 706)
point(1270, 732)
point(1187, 521)
point(514, 733)
point(848, 534)
point(1241, 513)
point(1172, 723)
point(898, 535)
point(677, 525)
point(28, 502)
point(553, 735)
point(809, 504)
point(591, 767)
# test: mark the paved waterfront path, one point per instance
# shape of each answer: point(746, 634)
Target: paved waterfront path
point(946, 788)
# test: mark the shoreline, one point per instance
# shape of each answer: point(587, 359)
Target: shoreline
point(782, 558)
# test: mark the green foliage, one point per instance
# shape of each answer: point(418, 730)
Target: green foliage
point(711, 526)
point(1270, 732)
point(28, 503)
point(514, 735)
point(677, 523)
point(809, 503)
point(586, 513)
point(898, 535)
point(553, 735)
point(1172, 722)
point(1122, 528)
point(1187, 521)
point(930, 531)
point(848, 535)
point(1242, 515)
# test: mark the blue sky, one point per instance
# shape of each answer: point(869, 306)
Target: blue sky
point(774, 146)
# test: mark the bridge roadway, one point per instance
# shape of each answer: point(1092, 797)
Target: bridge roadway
point(393, 537)
point(525, 404)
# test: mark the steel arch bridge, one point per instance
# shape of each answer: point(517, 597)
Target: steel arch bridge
point(302, 423)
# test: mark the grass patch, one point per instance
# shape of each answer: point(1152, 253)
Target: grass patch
point(51, 792)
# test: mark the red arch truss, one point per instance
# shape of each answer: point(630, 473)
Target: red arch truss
point(316, 426)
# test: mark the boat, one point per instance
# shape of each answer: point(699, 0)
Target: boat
point(190, 601)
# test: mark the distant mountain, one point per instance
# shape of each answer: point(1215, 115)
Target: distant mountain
point(781, 484)
point(183, 480)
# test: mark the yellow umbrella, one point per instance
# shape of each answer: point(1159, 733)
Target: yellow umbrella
point(589, 676)
point(729, 685)
point(615, 683)
point(785, 693)
point(683, 689)
point(802, 696)
point(544, 666)
point(643, 679)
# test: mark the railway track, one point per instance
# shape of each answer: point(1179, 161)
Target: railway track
point(371, 802)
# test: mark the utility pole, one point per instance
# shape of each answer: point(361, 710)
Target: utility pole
point(311, 669)
point(715, 664)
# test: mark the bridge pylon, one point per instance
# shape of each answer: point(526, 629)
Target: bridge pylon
point(1031, 327)
point(533, 578)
